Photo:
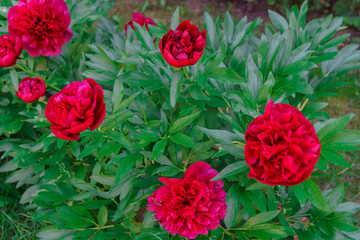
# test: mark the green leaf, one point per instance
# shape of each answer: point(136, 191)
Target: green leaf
point(258, 198)
point(233, 203)
point(149, 220)
point(332, 128)
point(266, 88)
point(261, 218)
point(9, 166)
point(182, 122)
point(158, 149)
point(278, 21)
point(14, 79)
point(144, 37)
point(222, 136)
point(82, 185)
point(213, 62)
point(267, 231)
point(4, 11)
point(183, 140)
point(346, 140)
point(247, 203)
point(322, 163)
point(104, 179)
point(256, 186)
point(350, 207)
point(335, 196)
point(334, 157)
point(234, 168)
point(296, 67)
point(341, 221)
point(126, 103)
point(144, 7)
point(117, 94)
point(322, 57)
point(225, 76)
point(167, 171)
point(335, 41)
point(60, 142)
point(52, 233)
point(299, 193)
point(157, 31)
point(125, 165)
point(228, 27)
point(162, 159)
point(102, 216)
point(92, 146)
point(120, 138)
point(311, 108)
point(124, 186)
point(210, 29)
point(241, 235)
point(76, 216)
point(175, 88)
point(175, 19)
point(238, 39)
point(28, 194)
point(302, 14)
point(315, 196)
point(254, 76)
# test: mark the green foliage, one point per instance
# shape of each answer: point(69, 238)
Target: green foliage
point(348, 9)
point(160, 120)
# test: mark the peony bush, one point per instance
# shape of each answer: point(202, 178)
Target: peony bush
point(146, 131)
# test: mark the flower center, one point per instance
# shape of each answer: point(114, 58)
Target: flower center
point(29, 87)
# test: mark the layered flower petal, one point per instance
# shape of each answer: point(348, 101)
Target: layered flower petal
point(282, 147)
point(42, 26)
point(184, 46)
point(191, 205)
point(31, 89)
point(10, 49)
point(79, 106)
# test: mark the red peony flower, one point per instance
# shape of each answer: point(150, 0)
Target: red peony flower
point(10, 49)
point(191, 205)
point(42, 26)
point(282, 147)
point(140, 19)
point(78, 106)
point(184, 46)
point(31, 89)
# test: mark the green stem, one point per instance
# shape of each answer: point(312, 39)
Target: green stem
point(186, 74)
point(97, 228)
point(56, 88)
point(28, 106)
point(237, 229)
point(27, 71)
point(35, 75)
point(227, 231)
point(303, 105)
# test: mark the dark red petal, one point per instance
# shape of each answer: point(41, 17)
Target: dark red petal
point(184, 25)
point(99, 117)
point(64, 135)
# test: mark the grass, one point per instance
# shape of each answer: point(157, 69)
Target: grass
point(15, 220)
